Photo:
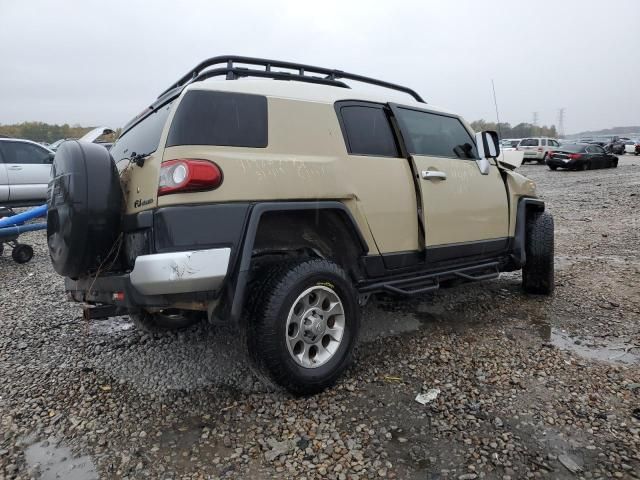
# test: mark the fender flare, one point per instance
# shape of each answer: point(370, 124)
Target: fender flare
point(239, 276)
point(525, 205)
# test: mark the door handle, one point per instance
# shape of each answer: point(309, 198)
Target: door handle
point(15, 167)
point(433, 174)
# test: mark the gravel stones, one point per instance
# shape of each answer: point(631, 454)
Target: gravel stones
point(511, 404)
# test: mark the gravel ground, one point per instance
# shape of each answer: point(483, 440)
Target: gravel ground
point(529, 387)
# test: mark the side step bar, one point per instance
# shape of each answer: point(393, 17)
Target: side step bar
point(419, 284)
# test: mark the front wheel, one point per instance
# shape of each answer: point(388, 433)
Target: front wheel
point(538, 271)
point(303, 326)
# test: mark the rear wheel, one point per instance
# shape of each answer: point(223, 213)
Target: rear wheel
point(584, 166)
point(543, 160)
point(164, 320)
point(303, 325)
point(538, 271)
point(552, 167)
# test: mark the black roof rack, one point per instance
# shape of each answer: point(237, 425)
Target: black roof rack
point(299, 73)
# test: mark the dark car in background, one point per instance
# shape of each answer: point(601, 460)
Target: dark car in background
point(581, 156)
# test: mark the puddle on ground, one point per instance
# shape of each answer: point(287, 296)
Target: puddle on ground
point(590, 348)
point(54, 461)
point(109, 326)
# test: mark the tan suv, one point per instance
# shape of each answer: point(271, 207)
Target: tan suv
point(281, 204)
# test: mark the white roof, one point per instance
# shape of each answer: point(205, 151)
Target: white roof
point(311, 92)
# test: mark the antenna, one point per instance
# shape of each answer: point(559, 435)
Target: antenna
point(495, 102)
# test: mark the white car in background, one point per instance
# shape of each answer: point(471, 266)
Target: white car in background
point(509, 144)
point(537, 148)
point(632, 146)
point(25, 167)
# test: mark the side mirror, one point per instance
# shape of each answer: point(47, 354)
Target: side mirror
point(488, 147)
point(50, 157)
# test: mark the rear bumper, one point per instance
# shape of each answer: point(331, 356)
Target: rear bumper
point(156, 280)
point(180, 272)
point(556, 162)
point(182, 255)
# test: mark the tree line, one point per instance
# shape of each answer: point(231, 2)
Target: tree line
point(42, 132)
point(45, 132)
point(521, 130)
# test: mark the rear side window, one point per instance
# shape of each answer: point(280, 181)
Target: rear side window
point(23, 153)
point(143, 138)
point(529, 142)
point(436, 135)
point(367, 131)
point(220, 118)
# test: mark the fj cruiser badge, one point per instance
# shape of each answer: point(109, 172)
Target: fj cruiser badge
point(141, 203)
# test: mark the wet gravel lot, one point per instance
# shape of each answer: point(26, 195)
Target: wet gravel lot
point(529, 387)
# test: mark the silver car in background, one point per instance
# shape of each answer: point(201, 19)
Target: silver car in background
point(25, 167)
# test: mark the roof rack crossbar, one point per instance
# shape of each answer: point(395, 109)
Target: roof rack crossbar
point(300, 72)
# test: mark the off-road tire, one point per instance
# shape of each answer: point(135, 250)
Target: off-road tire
point(157, 322)
point(538, 272)
point(273, 293)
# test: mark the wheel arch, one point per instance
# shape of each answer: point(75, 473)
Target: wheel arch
point(526, 207)
point(345, 244)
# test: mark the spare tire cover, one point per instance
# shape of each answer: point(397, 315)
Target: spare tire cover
point(84, 208)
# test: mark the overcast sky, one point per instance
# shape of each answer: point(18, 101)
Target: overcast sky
point(97, 62)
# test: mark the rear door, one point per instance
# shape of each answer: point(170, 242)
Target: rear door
point(466, 213)
point(28, 168)
point(4, 179)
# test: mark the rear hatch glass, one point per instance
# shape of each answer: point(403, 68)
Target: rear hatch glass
point(529, 142)
point(143, 138)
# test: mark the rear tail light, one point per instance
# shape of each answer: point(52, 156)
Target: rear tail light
point(551, 152)
point(575, 156)
point(188, 175)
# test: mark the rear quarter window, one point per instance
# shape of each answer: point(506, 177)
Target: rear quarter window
point(220, 118)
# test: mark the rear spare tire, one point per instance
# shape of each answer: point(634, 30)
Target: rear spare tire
point(84, 208)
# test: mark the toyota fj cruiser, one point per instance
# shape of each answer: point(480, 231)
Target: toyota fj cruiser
point(280, 204)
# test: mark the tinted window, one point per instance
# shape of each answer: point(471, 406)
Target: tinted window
point(23, 153)
point(436, 135)
point(368, 131)
point(573, 148)
point(529, 142)
point(596, 149)
point(144, 137)
point(220, 118)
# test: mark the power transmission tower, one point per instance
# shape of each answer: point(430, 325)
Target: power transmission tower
point(561, 123)
point(535, 118)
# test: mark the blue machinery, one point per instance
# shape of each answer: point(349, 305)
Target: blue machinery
point(12, 225)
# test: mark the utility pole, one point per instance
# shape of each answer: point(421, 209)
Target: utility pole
point(561, 123)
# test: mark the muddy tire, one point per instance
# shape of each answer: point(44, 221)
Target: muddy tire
point(303, 325)
point(163, 321)
point(538, 272)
